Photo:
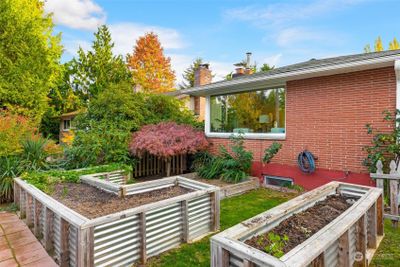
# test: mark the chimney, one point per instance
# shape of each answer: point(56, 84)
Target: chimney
point(202, 75)
point(248, 59)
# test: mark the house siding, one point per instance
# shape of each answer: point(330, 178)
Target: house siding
point(327, 116)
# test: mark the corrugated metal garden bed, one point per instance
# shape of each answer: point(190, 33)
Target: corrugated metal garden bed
point(124, 237)
point(349, 240)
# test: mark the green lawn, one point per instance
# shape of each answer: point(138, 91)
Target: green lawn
point(388, 253)
point(237, 209)
point(233, 211)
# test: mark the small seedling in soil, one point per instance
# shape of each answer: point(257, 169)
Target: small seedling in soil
point(64, 192)
point(305, 231)
point(276, 245)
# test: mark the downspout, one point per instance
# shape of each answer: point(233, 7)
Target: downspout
point(397, 71)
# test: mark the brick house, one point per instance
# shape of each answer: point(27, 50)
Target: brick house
point(319, 105)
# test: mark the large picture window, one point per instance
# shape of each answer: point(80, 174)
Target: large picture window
point(261, 111)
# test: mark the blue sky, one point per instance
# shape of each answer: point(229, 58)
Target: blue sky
point(221, 32)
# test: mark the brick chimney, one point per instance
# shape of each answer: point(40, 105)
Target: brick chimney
point(202, 76)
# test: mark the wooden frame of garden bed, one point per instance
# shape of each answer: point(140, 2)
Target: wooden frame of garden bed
point(121, 238)
point(358, 229)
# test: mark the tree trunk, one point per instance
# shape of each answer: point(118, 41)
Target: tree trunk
point(168, 167)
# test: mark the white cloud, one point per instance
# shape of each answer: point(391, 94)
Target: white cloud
point(125, 35)
point(76, 14)
point(290, 36)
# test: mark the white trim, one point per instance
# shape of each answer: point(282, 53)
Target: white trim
point(397, 71)
point(251, 82)
point(266, 136)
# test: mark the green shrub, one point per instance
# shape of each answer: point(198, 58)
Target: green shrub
point(271, 151)
point(44, 180)
point(103, 132)
point(10, 167)
point(34, 153)
point(384, 144)
point(230, 166)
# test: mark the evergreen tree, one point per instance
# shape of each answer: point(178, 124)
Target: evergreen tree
point(188, 74)
point(151, 70)
point(95, 70)
point(29, 57)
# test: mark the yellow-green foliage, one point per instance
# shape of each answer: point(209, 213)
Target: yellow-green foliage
point(29, 57)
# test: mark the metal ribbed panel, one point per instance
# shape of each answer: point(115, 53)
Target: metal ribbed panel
point(73, 245)
point(137, 189)
point(117, 243)
point(331, 255)
point(57, 237)
point(199, 213)
point(163, 229)
point(42, 219)
point(189, 185)
point(235, 261)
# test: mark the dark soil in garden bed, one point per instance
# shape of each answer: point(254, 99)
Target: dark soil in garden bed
point(301, 226)
point(92, 202)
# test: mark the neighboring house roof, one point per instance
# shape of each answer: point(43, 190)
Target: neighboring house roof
point(69, 114)
point(307, 69)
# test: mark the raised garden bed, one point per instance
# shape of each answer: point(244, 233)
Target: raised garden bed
point(337, 224)
point(228, 189)
point(170, 211)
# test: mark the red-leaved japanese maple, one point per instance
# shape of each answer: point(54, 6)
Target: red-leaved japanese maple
point(167, 139)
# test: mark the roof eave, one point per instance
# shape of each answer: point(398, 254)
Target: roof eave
point(280, 79)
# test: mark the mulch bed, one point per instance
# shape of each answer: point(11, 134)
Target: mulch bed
point(303, 225)
point(92, 202)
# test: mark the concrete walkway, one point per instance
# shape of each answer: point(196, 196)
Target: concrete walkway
point(18, 246)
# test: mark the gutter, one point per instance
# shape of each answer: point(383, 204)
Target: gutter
point(209, 89)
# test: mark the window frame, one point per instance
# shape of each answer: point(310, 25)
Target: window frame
point(267, 136)
point(70, 124)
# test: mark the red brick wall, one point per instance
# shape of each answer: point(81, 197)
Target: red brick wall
point(327, 116)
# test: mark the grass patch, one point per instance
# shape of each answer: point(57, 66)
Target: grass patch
point(388, 253)
point(233, 211)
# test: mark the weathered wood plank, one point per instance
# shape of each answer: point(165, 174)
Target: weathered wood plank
point(64, 238)
point(372, 227)
point(319, 261)
point(36, 218)
point(394, 202)
point(361, 242)
point(247, 263)
point(344, 250)
point(28, 210)
point(185, 221)
point(215, 210)
point(90, 247)
point(48, 231)
point(142, 234)
point(379, 214)
point(225, 258)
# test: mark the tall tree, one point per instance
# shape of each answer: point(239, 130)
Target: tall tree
point(29, 57)
point(378, 45)
point(151, 69)
point(96, 69)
